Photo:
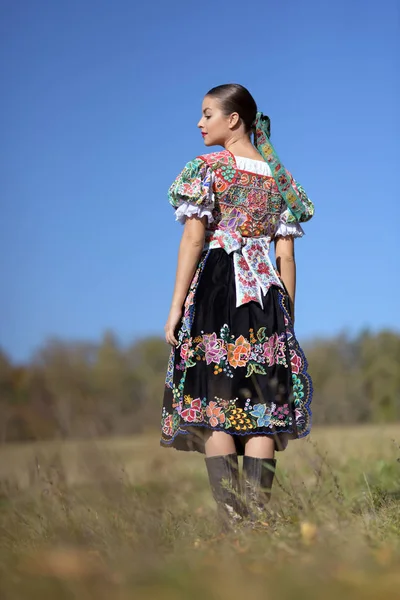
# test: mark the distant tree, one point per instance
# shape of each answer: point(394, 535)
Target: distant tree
point(79, 389)
point(380, 369)
point(66, 372)
point(6, 394)
point(149, 358)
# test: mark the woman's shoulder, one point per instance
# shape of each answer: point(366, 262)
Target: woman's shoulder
point(205, 163)
point(193, 184)
point(217, 159)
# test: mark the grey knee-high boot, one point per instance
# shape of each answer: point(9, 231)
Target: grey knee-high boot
point(223, 474)
point(258, 476)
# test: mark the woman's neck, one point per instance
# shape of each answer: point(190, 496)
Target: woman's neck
point(242, 147)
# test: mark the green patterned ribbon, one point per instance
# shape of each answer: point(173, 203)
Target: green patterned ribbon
point(297, 202)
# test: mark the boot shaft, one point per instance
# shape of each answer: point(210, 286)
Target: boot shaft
point(258, 477)
point(259, 473)
point(223, 474)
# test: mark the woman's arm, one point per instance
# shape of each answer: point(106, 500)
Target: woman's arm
point(286, 265)
point(190, 250)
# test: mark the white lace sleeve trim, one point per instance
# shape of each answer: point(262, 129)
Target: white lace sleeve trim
point(186, 209)
point(289, 229)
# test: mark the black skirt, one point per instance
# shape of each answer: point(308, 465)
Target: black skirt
point(237, 370)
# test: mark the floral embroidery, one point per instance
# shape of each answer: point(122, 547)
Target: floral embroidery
point(280, 356)
point(238, 353)
point(228, 353)
point(243, 264)
point(254, 272)
point(232, 219)
point(247, 209)
point(189, 307)
point(269, 348)
point(256, 198)
point(262, 414)
point(213, 348)
point(215, 414)
point(302, 390)
point(295, 362)
point(257, 352)
point(167, 426)
point(177, 406)
point(297, 201)
point(193, 414)
point(192, 185)
point(186, 350)
point(170, 369)
point(226, 415)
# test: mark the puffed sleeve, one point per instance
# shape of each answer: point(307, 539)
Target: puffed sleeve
point(288, 224)
point(307, 211)
point(191, 194)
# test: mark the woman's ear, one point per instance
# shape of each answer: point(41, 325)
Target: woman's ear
point(234, 120)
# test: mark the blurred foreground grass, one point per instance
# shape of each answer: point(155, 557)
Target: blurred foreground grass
point(123, 518)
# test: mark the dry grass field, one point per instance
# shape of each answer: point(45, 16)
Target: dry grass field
point(122, 518)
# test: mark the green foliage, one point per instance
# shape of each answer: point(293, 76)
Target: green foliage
point(356, 381)
point(83, 389)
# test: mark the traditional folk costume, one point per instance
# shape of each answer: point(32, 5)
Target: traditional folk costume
point(238, 367)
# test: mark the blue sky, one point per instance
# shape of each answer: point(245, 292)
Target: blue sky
point(98, 115)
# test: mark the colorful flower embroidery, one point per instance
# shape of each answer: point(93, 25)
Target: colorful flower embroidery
point(228, 353)
point(232, 219)
point(193, 185)
point(280, 356)
point(295, 361)
point(194, 413)
point(270, 349)
point(254, 272)
point(170, 369)
point(213, 348)
point(186, 350)
point(226, 415)
point(167, 428)
point(262, 414)
point(215, 414)
point(239, 352)
point(258, 354)
point(242, 262)
point(263, 269)
point(246, 209)
point(189, 307)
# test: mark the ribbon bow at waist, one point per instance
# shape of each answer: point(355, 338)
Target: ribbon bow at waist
point(254, 272)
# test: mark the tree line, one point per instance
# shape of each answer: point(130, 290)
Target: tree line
point(80, 390)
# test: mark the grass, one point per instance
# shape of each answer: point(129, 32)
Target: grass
point(123, 518)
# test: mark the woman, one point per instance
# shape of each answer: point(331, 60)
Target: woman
point(237, 382)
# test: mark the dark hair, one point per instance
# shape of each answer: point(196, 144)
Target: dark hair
point(236, 98)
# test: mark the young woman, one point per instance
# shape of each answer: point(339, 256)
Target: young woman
point(237, 381)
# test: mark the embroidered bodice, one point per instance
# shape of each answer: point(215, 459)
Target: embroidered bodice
point(244, 211)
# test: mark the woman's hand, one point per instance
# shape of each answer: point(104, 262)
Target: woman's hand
point(175, 315)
